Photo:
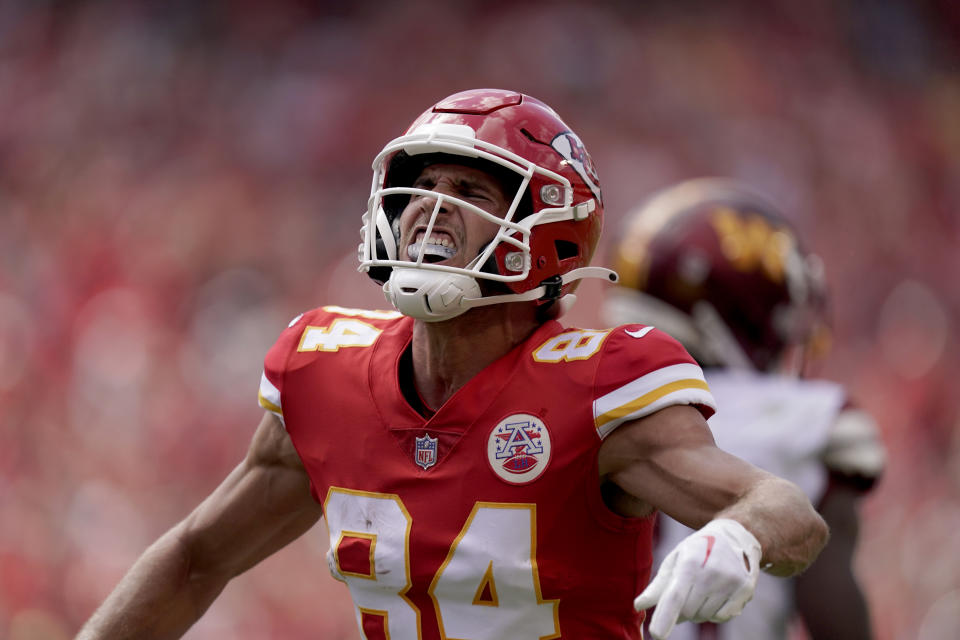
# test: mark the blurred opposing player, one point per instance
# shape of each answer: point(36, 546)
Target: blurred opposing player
point(484, 471)
point(719, 268)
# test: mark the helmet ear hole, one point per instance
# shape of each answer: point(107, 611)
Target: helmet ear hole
point(566, 249)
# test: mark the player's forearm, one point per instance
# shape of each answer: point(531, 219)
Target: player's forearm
point(159, 598)
point(790, 531)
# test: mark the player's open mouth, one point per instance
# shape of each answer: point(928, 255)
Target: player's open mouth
point(438, 248)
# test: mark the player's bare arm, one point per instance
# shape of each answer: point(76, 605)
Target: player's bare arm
point(263, 504)
point(669, 461)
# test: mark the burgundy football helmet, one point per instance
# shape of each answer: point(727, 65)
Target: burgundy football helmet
point(545, 240)
point(718, 267)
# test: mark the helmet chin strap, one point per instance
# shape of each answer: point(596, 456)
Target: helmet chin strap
point(434, 296)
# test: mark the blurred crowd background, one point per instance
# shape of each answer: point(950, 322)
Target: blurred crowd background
point(179, 179)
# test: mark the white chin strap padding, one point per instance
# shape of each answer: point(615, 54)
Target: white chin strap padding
point(431, 296)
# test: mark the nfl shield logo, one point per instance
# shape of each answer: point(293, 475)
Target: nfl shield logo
point(426, 453)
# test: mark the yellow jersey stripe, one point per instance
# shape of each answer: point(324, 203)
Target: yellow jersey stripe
point(648, 399)
point(269, 406)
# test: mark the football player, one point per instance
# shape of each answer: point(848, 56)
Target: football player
point(718, 267)
point(484, 471)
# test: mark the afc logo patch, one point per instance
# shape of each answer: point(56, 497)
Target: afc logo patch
point(518, 448)
point(426, 451)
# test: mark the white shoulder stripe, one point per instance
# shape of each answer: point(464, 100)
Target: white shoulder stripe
point(269, 397)
point(676, 384)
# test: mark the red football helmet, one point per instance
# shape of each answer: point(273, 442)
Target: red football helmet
point(546, 239)
point(718, 267)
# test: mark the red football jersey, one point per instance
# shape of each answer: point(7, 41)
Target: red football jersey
point(485, 521)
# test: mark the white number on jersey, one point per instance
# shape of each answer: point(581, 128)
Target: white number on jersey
point(342, 332)
point(487, 589)
point(379, 525)
point(579, 344)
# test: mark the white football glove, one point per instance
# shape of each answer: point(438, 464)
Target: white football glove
point(708, 577)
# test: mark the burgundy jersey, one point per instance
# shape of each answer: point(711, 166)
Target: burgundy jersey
point(484, 521)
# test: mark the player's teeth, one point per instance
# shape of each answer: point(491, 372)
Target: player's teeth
point(440, 240)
